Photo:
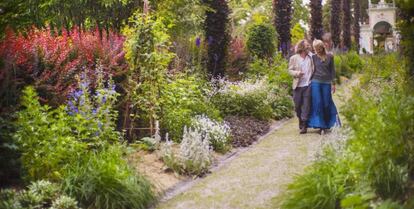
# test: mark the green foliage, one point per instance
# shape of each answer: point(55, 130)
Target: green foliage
point(321, 186)
point(348, 64)
point(182, 99)
point(45, 138)
point(252, 103)
point(264, 95)
point(194, 156)
point(261, 41)
point(9, 157)
point(23, 14)
point(375, 162)
point(104, 180)
point(148, 56)
point(40, 194)
point(298, 33)
point(50, 138)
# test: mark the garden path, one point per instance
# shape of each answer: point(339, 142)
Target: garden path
point(256, 176)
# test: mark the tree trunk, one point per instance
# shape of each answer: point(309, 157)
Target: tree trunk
point(282, 10)
point(316, 21)
point(357, 19)
point(336, 22)
point(217, 36)
point(346, 25)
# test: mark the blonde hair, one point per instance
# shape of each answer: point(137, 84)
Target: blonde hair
point(300, 47)
point(320, 49)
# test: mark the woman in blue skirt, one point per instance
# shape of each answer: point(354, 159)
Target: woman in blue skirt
point(324, 114)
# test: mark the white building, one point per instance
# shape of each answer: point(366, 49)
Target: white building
point(380, 33)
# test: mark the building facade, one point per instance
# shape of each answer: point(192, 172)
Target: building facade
point(380, 34)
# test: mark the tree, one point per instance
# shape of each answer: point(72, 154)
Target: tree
point(336, 22)
point(346, 24)
point(407, 32)
point(316, 30)
point(356, 28)
point(282, 21)
point(103, 14)
point(326, 16)
point(217, 36)
point(300, 12)
point(298, 33)
point(261, 41)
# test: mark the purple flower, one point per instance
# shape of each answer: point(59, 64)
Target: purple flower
point(77, 94)
point(93, 111)
point(104, 99)
point(198, 41)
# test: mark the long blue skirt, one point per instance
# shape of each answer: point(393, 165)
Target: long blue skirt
point(323, 110)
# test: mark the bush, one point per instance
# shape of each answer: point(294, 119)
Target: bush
point(51, 62)
point(194, 156)
point(255, 98)
point(40, 194)
point(261, 41)
point(322, 186)
point(104, 180)
point(49, 139)
point(347, 64)
point(181, 100)
point(218, 133)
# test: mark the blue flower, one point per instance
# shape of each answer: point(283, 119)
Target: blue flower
point(198, 42)
point(77, 94)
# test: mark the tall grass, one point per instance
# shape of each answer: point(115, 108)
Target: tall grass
point(105, 181)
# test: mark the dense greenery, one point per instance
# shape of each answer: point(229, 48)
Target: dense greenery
point(39, 194)
point(261, 41)
point(373, 167)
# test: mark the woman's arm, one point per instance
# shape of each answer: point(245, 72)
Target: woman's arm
point(332, 69)
point(333, 73)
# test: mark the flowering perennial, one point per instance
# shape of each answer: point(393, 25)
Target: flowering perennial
point(218, 133)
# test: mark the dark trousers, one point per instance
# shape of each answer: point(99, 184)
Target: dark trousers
point(302, 99)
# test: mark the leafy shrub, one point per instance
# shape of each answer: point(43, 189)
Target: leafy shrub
point(322, 185)
point(40, 194)
point(181, 100)
point(49, 139)
point(9, 153)
point(255, 99)
point(194, 155)
point(218, 133)
point(148, 55)
point(45, 138)
point(238, 58)
point(50, 62)
point(104, 180)
point(261, 40)
point(348, 64)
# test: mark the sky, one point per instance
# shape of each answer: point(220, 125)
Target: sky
point(307, 1)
